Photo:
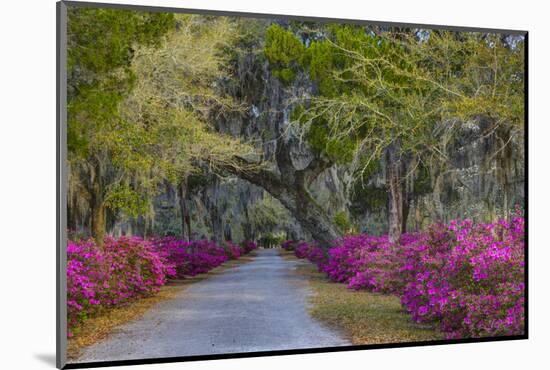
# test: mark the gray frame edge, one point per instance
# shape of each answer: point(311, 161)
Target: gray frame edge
point(61, 190)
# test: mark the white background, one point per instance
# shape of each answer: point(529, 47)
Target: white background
point(27, 182)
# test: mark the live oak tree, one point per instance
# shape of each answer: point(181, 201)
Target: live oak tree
point(364, 101)
point(145, 94)
point(176, 95)
point(104, 149)
point(139, 101)
point(383, 95)
point(488, 80)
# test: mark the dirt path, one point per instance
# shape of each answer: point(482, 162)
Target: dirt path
point(258, 306)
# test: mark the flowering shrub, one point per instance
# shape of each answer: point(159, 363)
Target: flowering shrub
point(312, 252)
point(233, 251)
point(131, 267)
point(303, 249)
point(122, 270)
point(467, 279)
point(288, 245)
point(248, 246)
point(200, 256)
point(365, 262)
point(470, 280)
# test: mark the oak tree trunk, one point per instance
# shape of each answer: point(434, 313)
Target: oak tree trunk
point(437, 204)
point(393, 173)
point(98, 220)
point(290, 187)
point(185, 218)
point(406, 209)
point(505, 197)
point(97, 203)
point(417, 214)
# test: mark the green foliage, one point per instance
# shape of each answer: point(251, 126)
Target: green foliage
point(369, 169)
point(140, 106)
point(298, 114)
point(286, 75)
point(106, 151)
point(330, 61)
point(368, 196)
point(101, 43)
point(489, 77)
point(284, 51)
point(177, 102)
point(101, 40)
point(282, 47)
point(267, 214)
point(339, 149)
point(124, 198)
point(129, 129)
point(343, 223)
point(321, 59)
point(407, 89)
point(422, 182)
point(272, 239)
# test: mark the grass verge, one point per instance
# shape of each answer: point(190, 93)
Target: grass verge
point(364, 317)
point(99, 326)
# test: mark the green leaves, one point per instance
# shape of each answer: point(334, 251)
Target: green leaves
point(267, 214)
point(284, 52)
point(321, 59)
point(101, 44)
point(286, 75)
point(124, 198)
point(101, 40)
point(342, 221)
point(340, 149)
point(282, 47)
point(397, 84)
point(352, 78)
point(106, 151)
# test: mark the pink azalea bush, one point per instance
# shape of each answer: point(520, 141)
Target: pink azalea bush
point(124, 269)
point(193, 257)
point(466, 279)
point(365, 262)
point(128, 268)
point(248, 246)
point(288, 245)
point(199, 256)
point(233, 251)
point(313, 253)
point(470, 280)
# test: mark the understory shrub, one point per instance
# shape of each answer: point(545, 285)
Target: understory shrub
point(248, 246)
point(466, 279)
point(124, 269)
point(192, 257)
point(128, 268)
point(233, 251)
point(288, 245)
point(470, 280)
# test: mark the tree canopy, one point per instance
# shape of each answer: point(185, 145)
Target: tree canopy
point(412, 120)
point(399, 93)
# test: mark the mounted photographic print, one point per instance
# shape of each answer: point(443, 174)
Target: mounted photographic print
point(234, 185)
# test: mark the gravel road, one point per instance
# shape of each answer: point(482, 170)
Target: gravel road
point(256, 306)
